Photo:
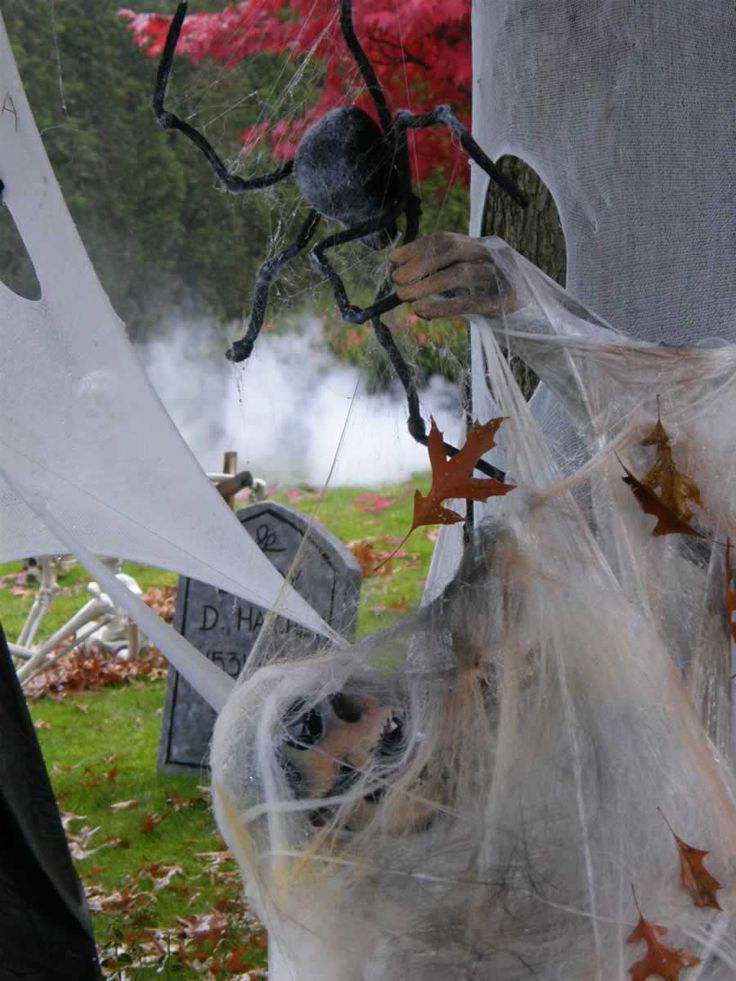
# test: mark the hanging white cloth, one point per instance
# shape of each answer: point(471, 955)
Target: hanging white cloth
point(89, 460)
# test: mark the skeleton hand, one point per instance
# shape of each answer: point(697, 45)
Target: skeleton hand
point(450, 275)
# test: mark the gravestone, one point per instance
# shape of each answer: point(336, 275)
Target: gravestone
point(224, 627)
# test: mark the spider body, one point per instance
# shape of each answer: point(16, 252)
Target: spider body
point(351, 170)
point(345, 168)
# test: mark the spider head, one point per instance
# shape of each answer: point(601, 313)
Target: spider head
point(345, 168)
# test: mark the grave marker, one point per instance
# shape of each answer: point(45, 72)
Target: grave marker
point(224, 627)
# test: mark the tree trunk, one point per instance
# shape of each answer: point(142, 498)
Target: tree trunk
point(534, 231)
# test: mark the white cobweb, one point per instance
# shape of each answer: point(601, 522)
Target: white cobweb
point(475, 792)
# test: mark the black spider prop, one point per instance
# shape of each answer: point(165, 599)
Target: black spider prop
point(351, 170)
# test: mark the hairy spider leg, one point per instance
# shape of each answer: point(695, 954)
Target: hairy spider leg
point(364, 66)
point(385, 300)
point(170, 122)
point(243, 348)
point(350, 313)
point(404, 119)
point(415, 423)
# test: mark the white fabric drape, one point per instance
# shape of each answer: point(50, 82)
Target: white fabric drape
point(85, 444)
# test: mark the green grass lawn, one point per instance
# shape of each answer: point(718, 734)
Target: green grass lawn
point(165, 899)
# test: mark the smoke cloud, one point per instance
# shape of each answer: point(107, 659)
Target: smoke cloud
point(292, 411)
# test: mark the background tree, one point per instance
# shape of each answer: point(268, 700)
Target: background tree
point(420, 51)
point(161, 239)
point(164, 239)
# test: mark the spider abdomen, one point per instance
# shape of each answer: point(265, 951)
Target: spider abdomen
point(345, 169)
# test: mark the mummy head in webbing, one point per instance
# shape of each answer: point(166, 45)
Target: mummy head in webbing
point(346, 730)
point(435, 803)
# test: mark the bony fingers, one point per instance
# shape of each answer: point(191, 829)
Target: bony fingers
point(480, 277)
point(435, 241)
point(436, 251)
point(429, 263)
point(459, 306)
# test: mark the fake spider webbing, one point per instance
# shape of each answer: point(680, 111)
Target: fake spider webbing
point(474, 792)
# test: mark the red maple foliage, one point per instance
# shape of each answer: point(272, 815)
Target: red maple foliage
point(420, 50)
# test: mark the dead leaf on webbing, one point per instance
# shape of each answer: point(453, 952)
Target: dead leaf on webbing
point(676, 490)
point(668, 522)
point(660, 961)
point(694, 876)
point(452, 477)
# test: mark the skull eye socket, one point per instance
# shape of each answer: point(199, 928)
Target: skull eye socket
point(346, 708)
point(392, 737)
point(306, 728)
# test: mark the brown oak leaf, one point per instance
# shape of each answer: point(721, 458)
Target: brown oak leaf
point(676, 490)
point(660, 961)
point(694, 876)
point(668, 521)
point(150, 821)
point(452, 477)
point(730, 592)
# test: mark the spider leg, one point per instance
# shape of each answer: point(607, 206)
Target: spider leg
point(350, 313)
point(365, 67)
point(242, 349)
point(415, 423)
point(404, 119)
point(170, 122)
point(385, 300)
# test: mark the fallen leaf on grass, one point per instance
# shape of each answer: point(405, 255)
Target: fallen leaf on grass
point(228, 904)
point(79, 842)
point(206, 926)
point(372, 502)
point(41, 724)
point(240, 959)
point(124, 805)
point(215, 858)
point(160, 875)
point(162, 600)
point(92, 670)
point(374, 561)
point(179, 803)
point(127, 898)
point(94, 777)
point(68, 817)
point(150, 821)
